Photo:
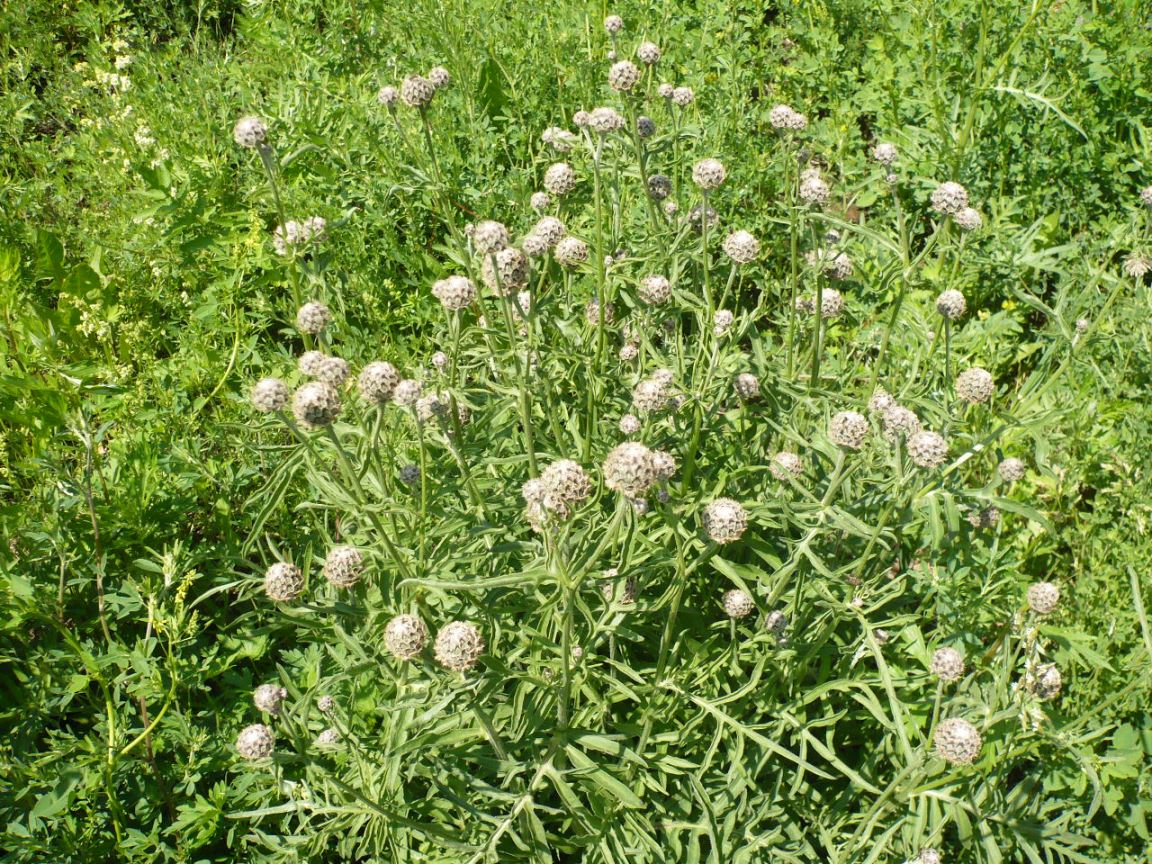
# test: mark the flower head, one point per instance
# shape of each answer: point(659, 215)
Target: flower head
point(1011, 470)
point(255, 742)
point(312, 318)
point(741, 247)
point(405, 637)
point(886, 154)
point(927, 449)
point(377, 381)
point(416, 91)
point(659, 186)
point(648, 53)
point(269, 697)
point(269, 394)
point(708, 174)
point(957, 741)
point(283, 582)
point(725, 520)
point(1043, 597)
point(250, 132)
point(455, 292)
point(344, 566)
point(738, 603)
point(948, 664)
point(655, 290)
point(565, 486)
point(316, 404)
point(949, 198)
point(458, 646)
point(975, 385)
point(489, 237)
point(439, 77)
point(623, 76)
point(848, 430)
point(630, 469)
point(951, 304)
point(786, 465)
point(560, 179)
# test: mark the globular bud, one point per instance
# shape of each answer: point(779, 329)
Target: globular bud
point(1081, 326)
point(741, 247)
point(628, 352)
point(787, 119)
point(655, 290)
point(725, 520)
point(949, 198)
point(645, 126)
point(416, 91)
point(848, 429)
point(250, 132)
point(388, 96)
point(439, 77)
point(702, 217)
point(270, 394)
point(988, 517)
point(458, 646)
point(312, 318)
point(786, 465)
point(316, 404)
point(623, 76)
point(665, 90)
point(437, 405)
point(630, 469)
point(776, 622)
point(1011, 470)
point(747, 386)
point(582, 119)
point(928, 855)
point(594, 314)
point(405, 637)
point(377, 382)
point(622, 591)
point(664, 464)
point(659, 186)
point(344, 566)
point(1043, 597)
point(410, 475)
point(326, 704)
point(310, 363)
point(566, 486)
point(551, 229)
point(629, 424)
point(967, 219)
point(613, 24)
point(975, 385)
point(831, 304)
point(407, 392)
point(534, 245)
point(947, 664)
point(650, 396)
point(560, 179)
point(455, 292)
point(506, 270)
point(1046, 682)
point(708, 174)
point(489, 236)
point(927, 449)
point(333, 370)
point(671, 208)
point(440, 361)
point(738, 603)
point(255, 742)
point(885, 153)
point(570, 252)
point(833, 263)
point(813, 188)
point(899, 422)
point(648, 53)
point(881, 401)
point(328, 738)
point(269, 698)
point(604, 121)
point(957, 741)
point(951, 304)
point(283, 582)
point(722, 322)
point(540, 201)
point(682, 97)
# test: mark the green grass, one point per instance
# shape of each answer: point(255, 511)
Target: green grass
point(140, 298)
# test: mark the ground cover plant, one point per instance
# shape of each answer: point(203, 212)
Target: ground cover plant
point(705, 434)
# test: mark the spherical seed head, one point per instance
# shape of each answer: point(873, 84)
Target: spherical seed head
point(648, 53)
point(725, 520)
point(738, 603)
point(268, 698)
point(722, 321)
point(671, 208)
point(283, 582)
point(623, 76)
point(947, 664)
point(509, 272)
point(659, 186)
point(407, 392)
point(570, 252)
point(831, 304)
point(312, 318)
point(881, 401)
point(540, 201)
point(604, 121)
point(592, 313)
point(786, 465)
point(316, 404)
point(566, 486)
point(388, 96)
point(255, 742)
point(405, 637)
point(489, 236)
point(332, 370)
point(551, 229)
point(655, 290)
point(560, 179)
point(458, 646)
point(886, 154)
point(787, 119)
point(292, 233)
point(581, 119)
point(613, 24)
point(1043, 597)
point(1011, 470)
point(327, 738)
point(269, 394)
point(416, 91)
point(439, 77)
point(968, 219)
point(1047, 682)
point(665, 90)
point(741, 247)
point(629, 424)
point(899, 422)
point(344, 566)
point(708, 173)
point(949, 198)
point(975, 385)
point(250, 132)
point(1146, 196)
point(957, 741)
point(848, 430)
point(534, 245)
point(1136, 265)
point(682, 97)
point(325, 704)
point(776, 622)
point(649, 396)
point(927, 449)
point(813, 189)
point(1081, 326)
point(455, 292)
point(645, 126)
point(928, 856)
point(377, 381)
point(951, 304)
point(310, 362)
point(747, 386)
point(437, 405)
point(630, 469)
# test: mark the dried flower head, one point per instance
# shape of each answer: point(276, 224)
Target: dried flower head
point(604, 121)
point(682, 97)
point(664, 463)
point(951, 304)
point(722, 321)
point(628, 352)
point(283, 582)
point(293, 234)
point(927, 449)
point(551, 229)
point(405, 637)
point(1046, 682)
point(1136, 265)
point(949, 198)
point(505, 271)
point(645, 126)
point(269, 394)
point(540, 201)
point(570, 252)
point(648, 53)
point(344, 566)
point(623, 591)
point(332, 370)
point(410, 475)
point(786, 465)
point(813, 189)
point(489, 236)
point(388, 96)
point(747, 386)
point(458, 646)
point(630, 469)
point(560, 179)
point(312, 318)
point(708, 174)
point(325, 704)
point(310, 363)
point(725, 520)
point(566, 486)
point(407, 392)
point(250, 132)
point(1011, 470)
point(650, 396)
point(881, 401)
point(439, 77)
point(269, 698)
point(255, 742)
point(948, 664)
point(655, 290)
point(328, 738)
point(455, 292)
point(886, 154)
point(671, 208)
point(741, 247)
point(594, 314)
point(614, 24)
point(848, 429)
point(988, 517)
point(623, 76)
point(957, 741)
point(377, 382)
point(416, 91)
point(967, 219)
point(738, 603)
point(928, 855)
point(899, 422)
point(975, 385)
point(665, 90)
point(831, 304)
point(1043, 597)
point(316, 404)
point(786, 118)
point(659, 186)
